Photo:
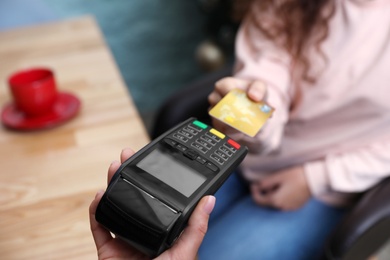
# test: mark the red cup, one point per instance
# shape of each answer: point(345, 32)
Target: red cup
point(34, 91)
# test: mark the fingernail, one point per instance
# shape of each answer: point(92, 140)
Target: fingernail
point(209, 206)
point(113, 162)
point(98, 193)
point(256, 94)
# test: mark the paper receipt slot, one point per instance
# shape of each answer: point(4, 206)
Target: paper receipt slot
point(152, 195)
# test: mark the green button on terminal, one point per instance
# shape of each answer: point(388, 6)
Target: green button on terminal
point(200, 124)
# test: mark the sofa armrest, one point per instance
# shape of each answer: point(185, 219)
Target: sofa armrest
point(365, 229)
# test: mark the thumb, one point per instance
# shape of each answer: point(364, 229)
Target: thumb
point(192, 237)
point(257, 91)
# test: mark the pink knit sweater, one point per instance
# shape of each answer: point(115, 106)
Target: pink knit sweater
point(338, 129)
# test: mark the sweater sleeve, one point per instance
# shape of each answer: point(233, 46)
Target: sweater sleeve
point(350, 172)
point(259, 59)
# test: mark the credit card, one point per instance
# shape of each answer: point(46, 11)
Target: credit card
point(241, 113)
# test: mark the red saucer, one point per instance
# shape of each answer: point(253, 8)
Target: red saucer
point(66, 107)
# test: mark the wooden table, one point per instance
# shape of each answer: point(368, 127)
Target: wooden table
point(48, 178)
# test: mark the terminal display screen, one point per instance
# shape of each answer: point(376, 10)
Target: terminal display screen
point(172, 172)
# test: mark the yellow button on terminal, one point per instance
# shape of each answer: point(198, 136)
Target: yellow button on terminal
point(217, 133)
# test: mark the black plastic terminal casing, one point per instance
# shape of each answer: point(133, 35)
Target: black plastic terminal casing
point(148, 213)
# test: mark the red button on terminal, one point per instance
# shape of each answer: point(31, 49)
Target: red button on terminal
point(234, 144)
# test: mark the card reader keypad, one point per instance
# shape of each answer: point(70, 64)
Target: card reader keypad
point(212, 146)
point(181, 138)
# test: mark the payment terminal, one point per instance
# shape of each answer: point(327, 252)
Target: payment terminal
point(153, 193)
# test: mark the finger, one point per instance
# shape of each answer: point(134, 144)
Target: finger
point(192, 237)
point(214, 98)
point(225, 85)
point(257, 91)
point(126, 154)
point(258, 196)
point(114, 166)
point(99, 233)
